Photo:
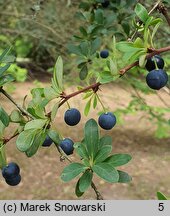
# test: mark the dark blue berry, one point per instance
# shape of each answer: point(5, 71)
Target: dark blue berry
point(104, 53)
point(67, 146)
point(72, 116)
point(158, 60)
point(156, 79)
point(105, 3)
point(11, 170)
point(107, 120)
point(48, 141)
point(13, 181)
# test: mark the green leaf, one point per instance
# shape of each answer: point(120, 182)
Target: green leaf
point(50, 93)
point(54, 136)
point(81, 150)
point(71, 171)
point(124, 177)
point(126, 27)
point(83, 31)
point(156, 21)
point(106, 77)
point(99, 18)
point(102, 154)
point(6, 79)
point(91, 135)
point(106, 172)
point(127, 47)
point(5, 53)
point(54, 111)
point(8, 59)
point(105, 141)
point(87, 107)
point(147, 34)
point(83, 72)
point(81, 62)
point(32, 112)
point(3, 161)
point(39, 111)
point(86, 162)
point(37, 142)
point(114, 46)
point(118, 159)
point(4, 118)
point(141, 12)
point(113, 66)
point(155, 29)
point(37, 95)
point(4, 68)
point(77, 190)
point(95, 45)
point(2, 128)
point(74, 49)
point(135, 56)
point(55, 86)
point(138, 42)
point(58, 72)
point(35, 124)
point(88, 94)
point(85, 180)
point(25, 139)
point(161, 196)
point(84, 46)
point(109, 20)
point(16, 117)
point(95, 99)
point(142, 61)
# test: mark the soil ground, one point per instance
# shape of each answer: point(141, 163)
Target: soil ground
point(149, 167)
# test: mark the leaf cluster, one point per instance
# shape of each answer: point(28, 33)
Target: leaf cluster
point(96, 158)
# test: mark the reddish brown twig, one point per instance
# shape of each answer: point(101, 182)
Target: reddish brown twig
point(6, 140)
point(149, 55)
point(94, 87)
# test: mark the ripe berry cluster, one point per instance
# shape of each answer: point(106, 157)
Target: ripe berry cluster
point(157, 77)
point(72, 117)
point(11, 173)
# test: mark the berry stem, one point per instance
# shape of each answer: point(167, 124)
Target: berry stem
point(104, 109)
point(68, 104)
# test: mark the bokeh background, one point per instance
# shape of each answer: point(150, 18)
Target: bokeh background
point(40, 31)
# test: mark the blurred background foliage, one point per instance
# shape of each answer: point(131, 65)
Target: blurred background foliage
point(41, 30)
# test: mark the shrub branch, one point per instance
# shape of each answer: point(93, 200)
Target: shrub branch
point(151, 53)
point(22, 110)
point(95, 86)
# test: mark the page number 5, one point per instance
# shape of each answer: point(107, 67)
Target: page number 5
point(161, 207)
